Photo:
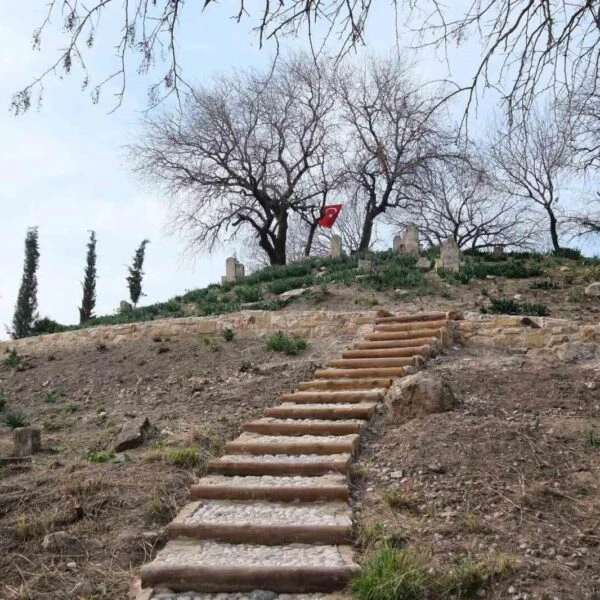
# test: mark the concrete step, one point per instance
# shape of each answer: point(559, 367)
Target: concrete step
point(378, 336)
point(216, 567)
point(388, 352)
point(252, 443)
point(273, 426)
point(420, 326)
point(376, 363)
point(429, 342)
point(331, 397)
point(280, 464)
point(432, 316)
point(333, 411)
point(260, 522)
point(365, 383)
point(359, 373)
point(283, 489)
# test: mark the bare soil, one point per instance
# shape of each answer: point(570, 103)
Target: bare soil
point(196, 392)
point(567, 300)
point(513, 471)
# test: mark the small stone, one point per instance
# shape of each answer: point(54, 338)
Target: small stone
point(593, 290)
point(293, 293)
point(133, 434)
point(512, 590)
point(27, 441)
point(262, 595)
point(591, 385)
point(56, 541)
point(83, 588)
point(71, 566)
point(397, 474)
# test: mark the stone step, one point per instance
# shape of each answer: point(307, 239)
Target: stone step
point(376, 363)
point(283, 489)
point(273, 426)
point(344, 396)
point(252, 443)
point(368, 383)
point(216, 567)
point(378, 336)
point(433, 316)
point(388, 352)
point(333, 411)
point(260, 522)
point(359, 373)
point(164, 593)
point(420, 326)
point(280, 464)
point(430, 342)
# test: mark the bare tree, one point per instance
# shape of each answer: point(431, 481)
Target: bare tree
point(586, 222)
point(459, 201)
point(529, 45)
point(394, 138)
point(532, 164)
point(247, 152)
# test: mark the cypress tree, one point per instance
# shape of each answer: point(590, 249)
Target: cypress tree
point(134, 281)
point(26, 307)
point(88, 302)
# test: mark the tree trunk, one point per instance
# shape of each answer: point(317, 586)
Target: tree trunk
point(310, 238)
point(280, 243)
point(553, 227)
point(367, 231)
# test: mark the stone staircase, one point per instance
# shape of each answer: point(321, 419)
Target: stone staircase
point(273, 513)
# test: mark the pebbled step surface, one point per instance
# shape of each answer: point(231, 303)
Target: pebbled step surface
point(270, 480)
point(266, 513)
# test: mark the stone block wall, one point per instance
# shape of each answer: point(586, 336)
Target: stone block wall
point(311, 324)
point(560, 337)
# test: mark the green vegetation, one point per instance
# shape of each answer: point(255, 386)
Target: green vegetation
point(227, 334)
point(15, 419)
point(88, 301)
point(391, 272)
point(592, 438)
point(12, 360)
point(47, 325)
point(181, 456)
point(26, 307)
point(134, 279)
point(510, 306)
point(280, 342)
point(51, 396)
point(99, 457)
point(545, 284)
point(391, 574)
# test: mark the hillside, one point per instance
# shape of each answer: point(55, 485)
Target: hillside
point(545, 284)
point(499, 494)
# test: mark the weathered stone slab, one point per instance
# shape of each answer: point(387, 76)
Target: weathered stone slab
point(27, 441)
point(335, 246)
point(449, 256)
point(133, 434)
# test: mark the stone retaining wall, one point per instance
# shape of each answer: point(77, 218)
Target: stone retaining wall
point(562, 337)
point(559, 336)
point(311, 324)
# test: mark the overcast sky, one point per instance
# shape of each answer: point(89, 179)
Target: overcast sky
point(63, 167)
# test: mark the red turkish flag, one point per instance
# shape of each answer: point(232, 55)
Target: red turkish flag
point(329, 214)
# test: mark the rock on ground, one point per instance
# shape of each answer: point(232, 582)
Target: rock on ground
point(133, 434)
point(593, 289)
point(419, 394)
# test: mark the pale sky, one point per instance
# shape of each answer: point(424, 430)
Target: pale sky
point(63, 167)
